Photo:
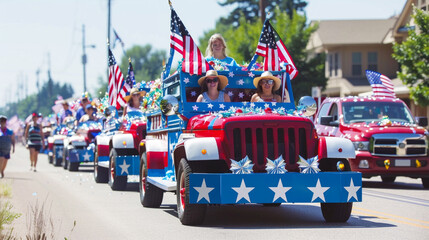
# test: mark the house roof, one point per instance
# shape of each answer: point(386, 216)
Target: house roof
point(338, 32)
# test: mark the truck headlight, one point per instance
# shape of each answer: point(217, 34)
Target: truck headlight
point(361, 146)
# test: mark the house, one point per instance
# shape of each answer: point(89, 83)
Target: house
point(352, 46)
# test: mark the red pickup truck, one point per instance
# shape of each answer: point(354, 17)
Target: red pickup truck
point(388, 141)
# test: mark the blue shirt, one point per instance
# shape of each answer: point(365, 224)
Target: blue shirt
point(229, 61)
point(79, 113)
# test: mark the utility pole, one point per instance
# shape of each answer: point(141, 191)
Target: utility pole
point(84, 58)
point(108, 37)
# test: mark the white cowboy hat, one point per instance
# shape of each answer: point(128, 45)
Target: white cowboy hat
point(268, 75)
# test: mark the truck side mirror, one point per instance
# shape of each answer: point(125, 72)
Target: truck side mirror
point(326, 120)
point(422, 121)
point(169, 105)
point(307, 105)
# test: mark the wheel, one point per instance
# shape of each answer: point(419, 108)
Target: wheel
point(51, 159)
point(388, 179)
point(271, 204)
point(150, 195)
point(64, 160)
point(57, 160)
point(336, 212)
point(115, 182)
point(101, 174)
point(189, 214)
point(425, 182)
point(74, 166)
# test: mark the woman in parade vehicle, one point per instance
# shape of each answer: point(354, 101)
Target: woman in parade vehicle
point(212, 86)
point(134, 101)
point(34, 136)
point(266, 86)
point(216, 51)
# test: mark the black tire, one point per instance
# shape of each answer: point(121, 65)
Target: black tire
point(189, 214)
point(386, 179)
point(101, 174)
point(336, 212)
point(64, 160)
point(51, 159)
point(271, 204)
point(425, 182)
point(150, 195)
point(58, 161)
point(74, 166)
point(116, 183)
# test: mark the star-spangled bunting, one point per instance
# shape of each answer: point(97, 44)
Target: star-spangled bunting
point(115, 80)
point(203, 191)
point(274, 51)
point(318, 191)
point(381, 85)
point(181, 41)
point(352, 191)
point(280, 191)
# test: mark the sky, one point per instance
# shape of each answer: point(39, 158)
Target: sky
point(37, 34)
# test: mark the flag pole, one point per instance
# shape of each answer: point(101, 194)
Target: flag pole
point(170, 60)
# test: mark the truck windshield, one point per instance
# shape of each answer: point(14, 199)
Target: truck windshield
point(374, 111)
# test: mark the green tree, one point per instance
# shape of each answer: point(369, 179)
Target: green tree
point(251, 9)
point(413, 57)
point(146, 61)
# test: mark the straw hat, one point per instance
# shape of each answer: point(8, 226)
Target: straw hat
point(223, 81)
point(268, 75)
point(134, 91)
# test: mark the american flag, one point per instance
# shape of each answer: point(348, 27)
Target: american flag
point(193, 60)
point(381, 85)
point(117, 38)
point(126, 85)
point(115, 80)
point(272, 48)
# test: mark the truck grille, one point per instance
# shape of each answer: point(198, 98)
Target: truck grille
point(260, 141)
point(401, 145)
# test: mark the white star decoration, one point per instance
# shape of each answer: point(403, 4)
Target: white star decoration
point(352, 190)
point(60, 153)
point(186, 80)
point(195, 108)
point(124, 167)
point(243, 191)
point(86, 156)
point(193, 93)
point(241, 95)
point(243, 166)
point(266, 105)
point(203, 191)
point(276, 166)
point(274, 103)
point(221, 106)
point(240, 82)
point(280, 191)
point(318, 191)
point(310, 165)
point(210, 105)
point(251, 74)
point(231, 74)
point(230, 93)
point(252, 105)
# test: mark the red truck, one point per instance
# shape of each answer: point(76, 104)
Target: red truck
point(388, 141)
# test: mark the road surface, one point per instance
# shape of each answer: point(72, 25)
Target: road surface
point(389, 211)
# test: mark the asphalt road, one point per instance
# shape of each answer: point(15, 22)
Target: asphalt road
point(389, 211)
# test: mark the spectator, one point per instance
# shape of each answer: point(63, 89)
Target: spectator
point(7, 140)
point(34, 136)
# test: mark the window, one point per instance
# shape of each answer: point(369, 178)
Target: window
point(372, 61)
point(323, 111)
point(336, 64)
point(356, 64)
